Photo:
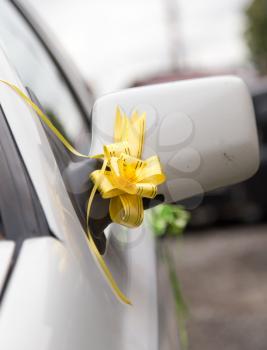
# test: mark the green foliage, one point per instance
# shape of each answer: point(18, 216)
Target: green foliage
point(168, 219)
point(182, 312)
point(171, 220)
point(256, 33)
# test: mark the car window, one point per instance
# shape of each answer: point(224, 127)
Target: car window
point(38, 72)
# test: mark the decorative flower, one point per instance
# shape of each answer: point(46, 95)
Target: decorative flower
point(125, 178)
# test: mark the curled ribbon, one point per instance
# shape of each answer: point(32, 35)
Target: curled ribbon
point(129, 178)
point(124, 178)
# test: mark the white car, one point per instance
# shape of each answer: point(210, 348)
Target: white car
point(53, 295)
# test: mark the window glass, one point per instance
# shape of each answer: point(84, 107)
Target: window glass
point(38, 72)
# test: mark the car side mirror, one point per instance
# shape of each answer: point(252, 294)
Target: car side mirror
point(203, 130)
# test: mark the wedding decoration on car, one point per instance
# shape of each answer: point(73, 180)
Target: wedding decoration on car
point(124, 177)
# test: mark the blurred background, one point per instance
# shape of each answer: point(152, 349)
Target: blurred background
point(218, 268)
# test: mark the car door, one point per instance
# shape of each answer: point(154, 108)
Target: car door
point(54, 294)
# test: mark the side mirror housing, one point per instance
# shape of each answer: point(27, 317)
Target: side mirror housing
point(203, 130)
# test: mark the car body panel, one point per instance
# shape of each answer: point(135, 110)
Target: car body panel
point(50, 305)
point(133, 268)
point(6, 254)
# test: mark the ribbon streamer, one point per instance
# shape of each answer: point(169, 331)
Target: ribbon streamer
point(124, 177)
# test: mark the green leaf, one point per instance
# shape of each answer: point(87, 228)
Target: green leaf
point(168, 219)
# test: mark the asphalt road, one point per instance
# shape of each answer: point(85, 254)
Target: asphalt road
point(223, 274)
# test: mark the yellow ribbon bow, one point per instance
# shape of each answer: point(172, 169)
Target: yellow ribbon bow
point(129, 178)
point(123, 177)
